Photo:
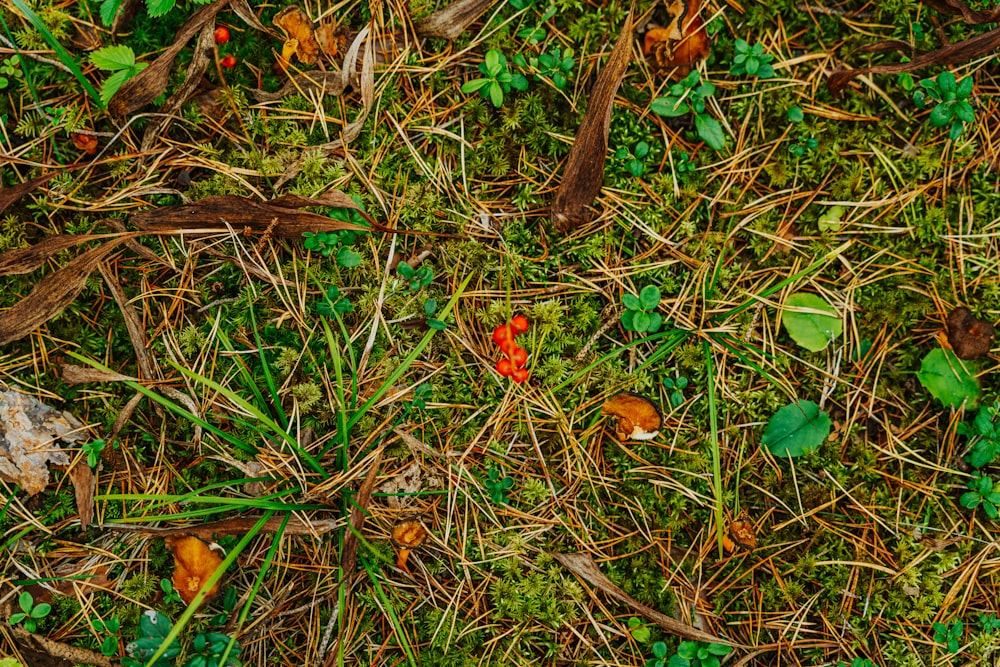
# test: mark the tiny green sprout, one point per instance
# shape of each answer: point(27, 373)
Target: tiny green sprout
point(421, 394)
point(983, 492)
point(498, 486)
point(795, 115)
point(698, 654)
point(640, 313)
point(659, 658)
point(857, 662)
point(752, 61)
point(953, 107)
point(989, 623)
point(9, 70)
point(983, 435)
point(416, 278)
point(675, 388)
point(170, 595)
point(950, 635)
point(683, 164)
point(537, 33)
point(639, 630)
point(93, 451)
point(497, 80)
point(430, 307)
point(688, 96)
point(829, 221)
point(228, 605)
point(30, 612)
point(333, 302)
point(109, 647)
point(556, 65)
point(634, 159)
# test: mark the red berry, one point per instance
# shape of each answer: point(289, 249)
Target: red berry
point(519, 356)
point(504, 367)
point(519, 375)
point(229, 61)
point(508, 347)
point(519, 323)
point(502, 333)
point(221, 35)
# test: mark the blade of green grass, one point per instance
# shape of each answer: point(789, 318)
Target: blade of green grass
point(713, 421)
point(393, 619)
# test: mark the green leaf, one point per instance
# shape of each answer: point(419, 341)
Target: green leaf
point(17, 618)
point(108, 10)
point(964, 88)
point(496, 94)
point(948, 379)
point(796, 429)
point(115, 81)
point(640, 321)
point(660, 650)
point(795, 115)
point(437, 325)
point(159, 7)
point(649, 297)
point(430, 305)
point(25, 601)
point(710, 131)
point(628, 319)
point(765, 71)
point(405, 270)
point(113, 58)
point(812, 330)
point(347, 258)
point(669, 107)
point(941, 115)
point(474, 85)
point(518, 82)
point(964, 112)
point(631, 302)
point(655, 321)
point(41, 611)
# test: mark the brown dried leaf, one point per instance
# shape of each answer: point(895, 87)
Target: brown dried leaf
point(150, 83)
point(212, 215)
point(84, 485)
point(296, 25)
point(305, 84)
point(677, 48)
point(12, 193)
point(28, 433)
point(192, 80)
point(73, 375)
point(85, 142)
point(969, 336)
point(957, 7)
point(40, 651)
point(585, 166)
point(952, 54)
point(26, 260)
point(583, 566)
point(126, 12)
point(133, 324)
point(194, 563)
point(236, 526)
point(638, 418)
point(51, 294)
point(333, 38)
point(451, 21)
point(358, 513)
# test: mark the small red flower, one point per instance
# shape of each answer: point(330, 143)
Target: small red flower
point(519, 323)
point(221, 35)
point(519, 356)
point(505, 367)
point(229, 61)
point(519, 375)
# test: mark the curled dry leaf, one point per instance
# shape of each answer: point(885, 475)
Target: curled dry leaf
point(969, 336)
point(194, 563)
point(150, 83)
point(29, 430)
point(585, 166)
point(52, 294)
point(297, 28)
point(73, 375)
point(84, 484)
point(675, 49)
point(451, 21)
point(333, 38)
point(306, 84)
point(25, 260)
point(84, 141)
point(638, 418)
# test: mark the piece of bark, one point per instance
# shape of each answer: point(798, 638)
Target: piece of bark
point(84, 484)
point(12, 193)
point(358, 513)
point(584, 174)
point(133, 325)
point(123, 17)
point(451, 21)
point(583, 566)
point(150, 83)
point(44, 652)
point(26, 260)
point(73, 375)
point(305, 84)
point(969, 337)
point(52, 294)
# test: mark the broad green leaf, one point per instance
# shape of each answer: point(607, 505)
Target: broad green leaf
point(812, 330)
point(113, 58)
point(640, 321)
point(940, 115)
point(159, 7)
point(108, 10)
point(710, 131)
point(796, 429)
point(496, 94)
point(649, 297)
point(631, 302)
point(347, 258)
point(670, 106)
point(949, 380)
point(795, 114)
point(112, 84)
point(474, 85)
point(628, 319)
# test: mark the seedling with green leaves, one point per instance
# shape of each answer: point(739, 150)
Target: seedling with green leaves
point(93, 451)
point(498, 486)
point(635, 159)
point(983, 493)
point(333, 302)
point(639, 630)
point(557, 66)
point(640, 313)
point(30, 612)
point(951, 635)
point(9, 69)
point(698, 654)
point(983, 435)
point(416, 279)
point(109, 646)
point(752, 61)
point(430, 307)
point(953, 107)
point(688, 96)
point(675, 389)
point(120, 60)
point(497, 80)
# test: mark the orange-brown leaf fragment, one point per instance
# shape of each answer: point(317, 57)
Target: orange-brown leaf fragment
point(407, 535)
point(742, 534)
point(638, 418)
point(677, 48)
point(969, 336)
point(85, 142)
point(297, 25)
point(194, 563)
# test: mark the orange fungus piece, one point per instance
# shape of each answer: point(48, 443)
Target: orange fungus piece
point(194, 563)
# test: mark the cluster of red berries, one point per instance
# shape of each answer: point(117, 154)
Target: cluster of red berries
point(512, 365)
point(221, 37)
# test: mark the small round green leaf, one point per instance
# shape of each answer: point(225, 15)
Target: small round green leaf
point(796, 429)
point(810, 321)
point(948, 379)
point(649, 297)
